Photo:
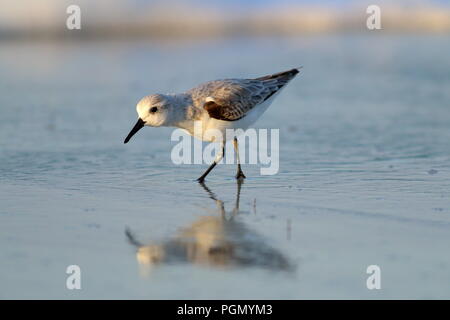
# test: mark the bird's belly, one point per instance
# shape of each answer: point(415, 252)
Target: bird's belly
point(211, 128)
point(214, 130)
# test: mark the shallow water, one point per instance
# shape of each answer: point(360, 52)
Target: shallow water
point(364, 172)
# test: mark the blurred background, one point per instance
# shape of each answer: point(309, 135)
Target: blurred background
point(364, 150)
point(217, 18)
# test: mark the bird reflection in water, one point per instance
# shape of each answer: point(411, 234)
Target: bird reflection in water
point(221, 241)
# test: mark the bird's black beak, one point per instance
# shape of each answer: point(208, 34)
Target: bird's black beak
point(138, 126)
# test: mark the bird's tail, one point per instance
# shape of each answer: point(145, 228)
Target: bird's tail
point(283, 76)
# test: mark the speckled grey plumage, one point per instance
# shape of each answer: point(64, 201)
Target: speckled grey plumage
point(233, 98)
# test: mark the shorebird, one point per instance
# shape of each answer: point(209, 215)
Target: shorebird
point(219, 104)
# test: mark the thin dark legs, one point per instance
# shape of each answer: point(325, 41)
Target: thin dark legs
point(202, 178)
point(216, 161)
point(239, 174)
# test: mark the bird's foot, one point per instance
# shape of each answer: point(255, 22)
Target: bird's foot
point(201, 180)
point(240, 175)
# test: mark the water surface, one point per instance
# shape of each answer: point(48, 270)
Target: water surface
point(364, 172)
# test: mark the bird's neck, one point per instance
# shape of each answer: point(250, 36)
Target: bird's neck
point(184, 114)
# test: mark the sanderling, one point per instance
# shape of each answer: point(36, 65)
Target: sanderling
point(220, 104)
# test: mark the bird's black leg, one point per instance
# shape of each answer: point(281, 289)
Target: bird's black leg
point(216, 161)
point(239, 174)
point(202, 178)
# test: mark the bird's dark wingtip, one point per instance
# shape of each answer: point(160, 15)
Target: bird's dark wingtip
point(289, 74)
point(296, 70)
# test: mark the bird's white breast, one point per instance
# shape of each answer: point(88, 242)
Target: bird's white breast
point(209, 124)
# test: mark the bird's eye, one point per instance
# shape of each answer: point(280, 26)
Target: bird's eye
point(153, 109)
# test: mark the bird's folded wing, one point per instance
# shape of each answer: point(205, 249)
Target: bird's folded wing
point(232, 100)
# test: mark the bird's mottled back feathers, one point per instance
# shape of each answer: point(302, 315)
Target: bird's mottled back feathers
point(231, 99)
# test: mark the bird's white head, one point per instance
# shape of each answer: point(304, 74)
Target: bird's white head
point(153, 111)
